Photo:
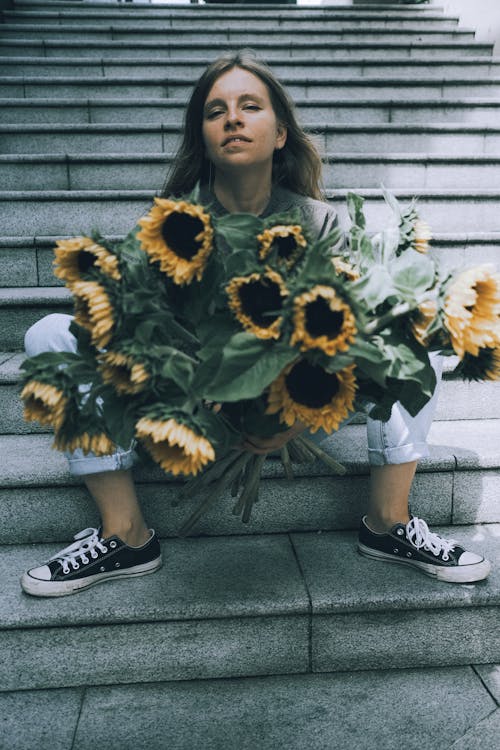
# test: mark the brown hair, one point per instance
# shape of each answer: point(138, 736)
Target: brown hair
point(297, 166)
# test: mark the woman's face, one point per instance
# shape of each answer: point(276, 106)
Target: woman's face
point(240, 128)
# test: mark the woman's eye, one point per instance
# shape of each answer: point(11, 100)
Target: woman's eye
point(252, 107)
point(213, 114)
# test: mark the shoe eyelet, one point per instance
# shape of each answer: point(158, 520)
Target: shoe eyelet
point(117, 565)
point(409, 554)
point(94, 555)
point(445, 558)
point(104, 550)
point(65, 571)
point(400, 532)
point(395, 550)
point(102, 569)
point(76, 566)
point(112, 545)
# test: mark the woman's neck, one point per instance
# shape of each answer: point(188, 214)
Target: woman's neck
point(248, 194)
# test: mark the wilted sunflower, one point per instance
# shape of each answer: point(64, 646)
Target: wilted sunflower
point(424, 316)
point(257, 300)
point(421, 236)
point(44, 403)
point(97, 443)
point(175, 447)
point(287, 240)
point(486, 366)
point(180, 236)
point(322, 320)
point(312, 395)
point(93, 311)
point(76, 256)
point(344, 268)
point(124, 373)
point(472, 310)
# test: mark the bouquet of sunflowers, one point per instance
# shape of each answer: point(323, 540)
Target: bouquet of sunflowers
point(196, 330)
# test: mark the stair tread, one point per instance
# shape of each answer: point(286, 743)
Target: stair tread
point(206, 578)
point(456, 445)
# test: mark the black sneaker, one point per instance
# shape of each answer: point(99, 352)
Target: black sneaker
point(89, 560)
point(414, 544)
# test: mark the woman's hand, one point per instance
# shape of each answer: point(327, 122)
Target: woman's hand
point(261, 446)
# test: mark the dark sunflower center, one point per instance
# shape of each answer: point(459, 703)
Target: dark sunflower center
point(310, 385)
point(179, 232)
point(86, 260)
point(321, 321)
point(259, 299)
point(286, 246)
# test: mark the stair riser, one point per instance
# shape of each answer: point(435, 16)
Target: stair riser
point(167, 22)
point(70, 215)
point(43, 514)
point(339, 112)
point(145, 175)
point(152, 141)
point(29, 263)
point(459, 400)
point(148, 652)
point(159, 50)
point(42, 66)
point(82, 33)
point(100, 88)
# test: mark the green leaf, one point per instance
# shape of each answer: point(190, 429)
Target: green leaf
point(412, 275)
point(355, 208)
point(373, 288)
point(239, 230)
point(248, 366)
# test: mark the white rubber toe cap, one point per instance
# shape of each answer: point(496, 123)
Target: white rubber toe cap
point(469, 558)
point(42, 573)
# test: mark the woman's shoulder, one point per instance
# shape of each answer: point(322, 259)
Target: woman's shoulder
point(319, 216)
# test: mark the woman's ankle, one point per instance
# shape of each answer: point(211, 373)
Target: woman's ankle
point(383, 524)
point(132, 535)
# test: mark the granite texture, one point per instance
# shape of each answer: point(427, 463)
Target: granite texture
point(475, 496)
point(490, 675)
point(483, 736)
point(17, 267)
point(318, 711)
point(39, 720)
point(156, 651)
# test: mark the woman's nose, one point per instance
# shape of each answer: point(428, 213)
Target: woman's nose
point(233, 117)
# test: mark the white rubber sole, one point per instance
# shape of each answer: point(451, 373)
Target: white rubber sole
point(37, 587)
point(459, 574)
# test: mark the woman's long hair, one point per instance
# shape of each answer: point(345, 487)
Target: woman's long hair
point(297, 166)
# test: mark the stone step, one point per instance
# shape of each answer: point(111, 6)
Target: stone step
point(268, 50)
point(27, 261)
point(457, 484)
point(143, 19)
point(131, 67)
point(72, 212)
point(127, 136)
point(88, 171)
point(309, 89)
point(132, 32)
point(293, 708)
point(459, 400)
point(251, 605)
point(169, 112)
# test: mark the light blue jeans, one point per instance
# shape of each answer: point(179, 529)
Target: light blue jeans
point(401, 439)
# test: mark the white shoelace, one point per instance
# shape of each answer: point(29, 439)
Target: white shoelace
point(420, 536)
point(86, 541)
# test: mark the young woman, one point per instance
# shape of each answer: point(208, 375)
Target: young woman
point(242, 141)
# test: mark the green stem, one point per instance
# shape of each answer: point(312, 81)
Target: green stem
point(287, 463)
point(209, 475)
point(251, 497)
point(335, 466)
point(378, 324)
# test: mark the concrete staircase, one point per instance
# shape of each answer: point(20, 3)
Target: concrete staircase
point(92, 94)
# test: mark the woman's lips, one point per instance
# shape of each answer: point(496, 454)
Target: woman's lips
point(235, 139)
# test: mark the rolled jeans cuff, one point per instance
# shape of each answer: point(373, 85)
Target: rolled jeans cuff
point(81, 464)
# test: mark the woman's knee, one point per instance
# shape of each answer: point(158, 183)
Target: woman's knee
point(50, 334)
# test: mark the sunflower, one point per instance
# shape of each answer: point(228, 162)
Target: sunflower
point(97, 443)
point(344, 268)
point(287, 240)
point(472, 310)
point(425, 314)
point(123, 372)
point(486, 366)
point(257, 300)
point(44, 403)
point(177, 448)
point(180, 236)
point(312, 395)
point(421, 236)
point(76, 256)
point(322, 320)
point(93, 310)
